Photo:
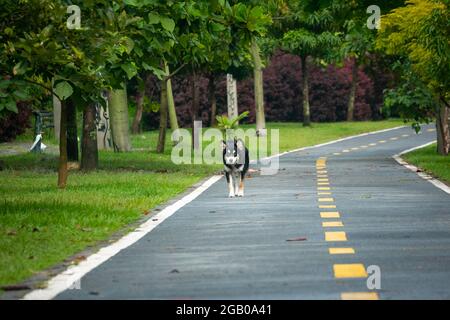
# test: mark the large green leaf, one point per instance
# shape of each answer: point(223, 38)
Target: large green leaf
point(167, 23)
point(153, 18)
point(19, 69)
point(130, 69)
point(8, 104)
point(63, 90)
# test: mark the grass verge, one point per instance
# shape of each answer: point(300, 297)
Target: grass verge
point(434, 164)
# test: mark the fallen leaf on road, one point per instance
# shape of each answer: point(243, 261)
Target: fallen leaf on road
point(297, 239)
point(175, 271)
point(78, 259)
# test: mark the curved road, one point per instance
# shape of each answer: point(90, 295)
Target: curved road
point(347, 206)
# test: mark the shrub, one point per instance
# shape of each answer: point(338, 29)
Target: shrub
point(13, 124)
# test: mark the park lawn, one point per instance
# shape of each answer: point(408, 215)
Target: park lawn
point(41, 226)
point(428, 160)
point(293, 135)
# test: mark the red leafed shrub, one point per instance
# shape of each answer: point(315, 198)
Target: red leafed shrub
point(329, 93)
point(14, 124)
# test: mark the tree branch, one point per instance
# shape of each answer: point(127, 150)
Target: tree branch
point(175, 72)
point(43, 86)
point(444, 101)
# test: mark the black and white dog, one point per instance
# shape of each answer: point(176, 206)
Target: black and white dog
point(236, 162)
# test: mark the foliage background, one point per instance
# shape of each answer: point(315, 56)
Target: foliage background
point(330, 87)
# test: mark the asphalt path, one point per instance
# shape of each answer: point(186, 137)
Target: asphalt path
point(351, 197)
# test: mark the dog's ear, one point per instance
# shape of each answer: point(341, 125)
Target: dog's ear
point(240, 144)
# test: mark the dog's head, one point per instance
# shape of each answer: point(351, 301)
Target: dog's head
point(233, 152)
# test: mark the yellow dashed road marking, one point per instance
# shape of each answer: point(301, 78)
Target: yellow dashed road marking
point(359, 296)
point(333, 214)
point(341, 251)
point(364, 147)
point(382, 141)
point(356, 148)
point(345, 151)
point(327, 206)
point(354, 270)
point(394, 138)
point(335, 236)
point(405, 135)
point(372, 144)
point(330, 215)
point(337, 153)
point(332, 224)
point(431, 130)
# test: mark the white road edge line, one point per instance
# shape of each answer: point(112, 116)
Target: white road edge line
point(437, 183)
point(68, 277)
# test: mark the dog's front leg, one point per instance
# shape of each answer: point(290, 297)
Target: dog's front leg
point(230, 184)
point(236, 180)
point(241, 185)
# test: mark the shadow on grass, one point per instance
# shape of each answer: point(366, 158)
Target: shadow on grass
point(109, 161)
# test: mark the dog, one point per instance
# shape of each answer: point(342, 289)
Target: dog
point(236, 162)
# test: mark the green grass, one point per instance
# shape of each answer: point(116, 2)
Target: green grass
point(40, 226)
point(427, 159)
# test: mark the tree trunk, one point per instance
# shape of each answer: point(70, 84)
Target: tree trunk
point(62, 169)
point(89, 148)
point(195, 107)
point(162, 118)
point(442, 129)
point(72, 131)
point(306, 110)
point(118, 112)
point(354, 84)
point(212, 99)
point(56, 116)
point(171, 103)
point(136, 126)
point(259, 89)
